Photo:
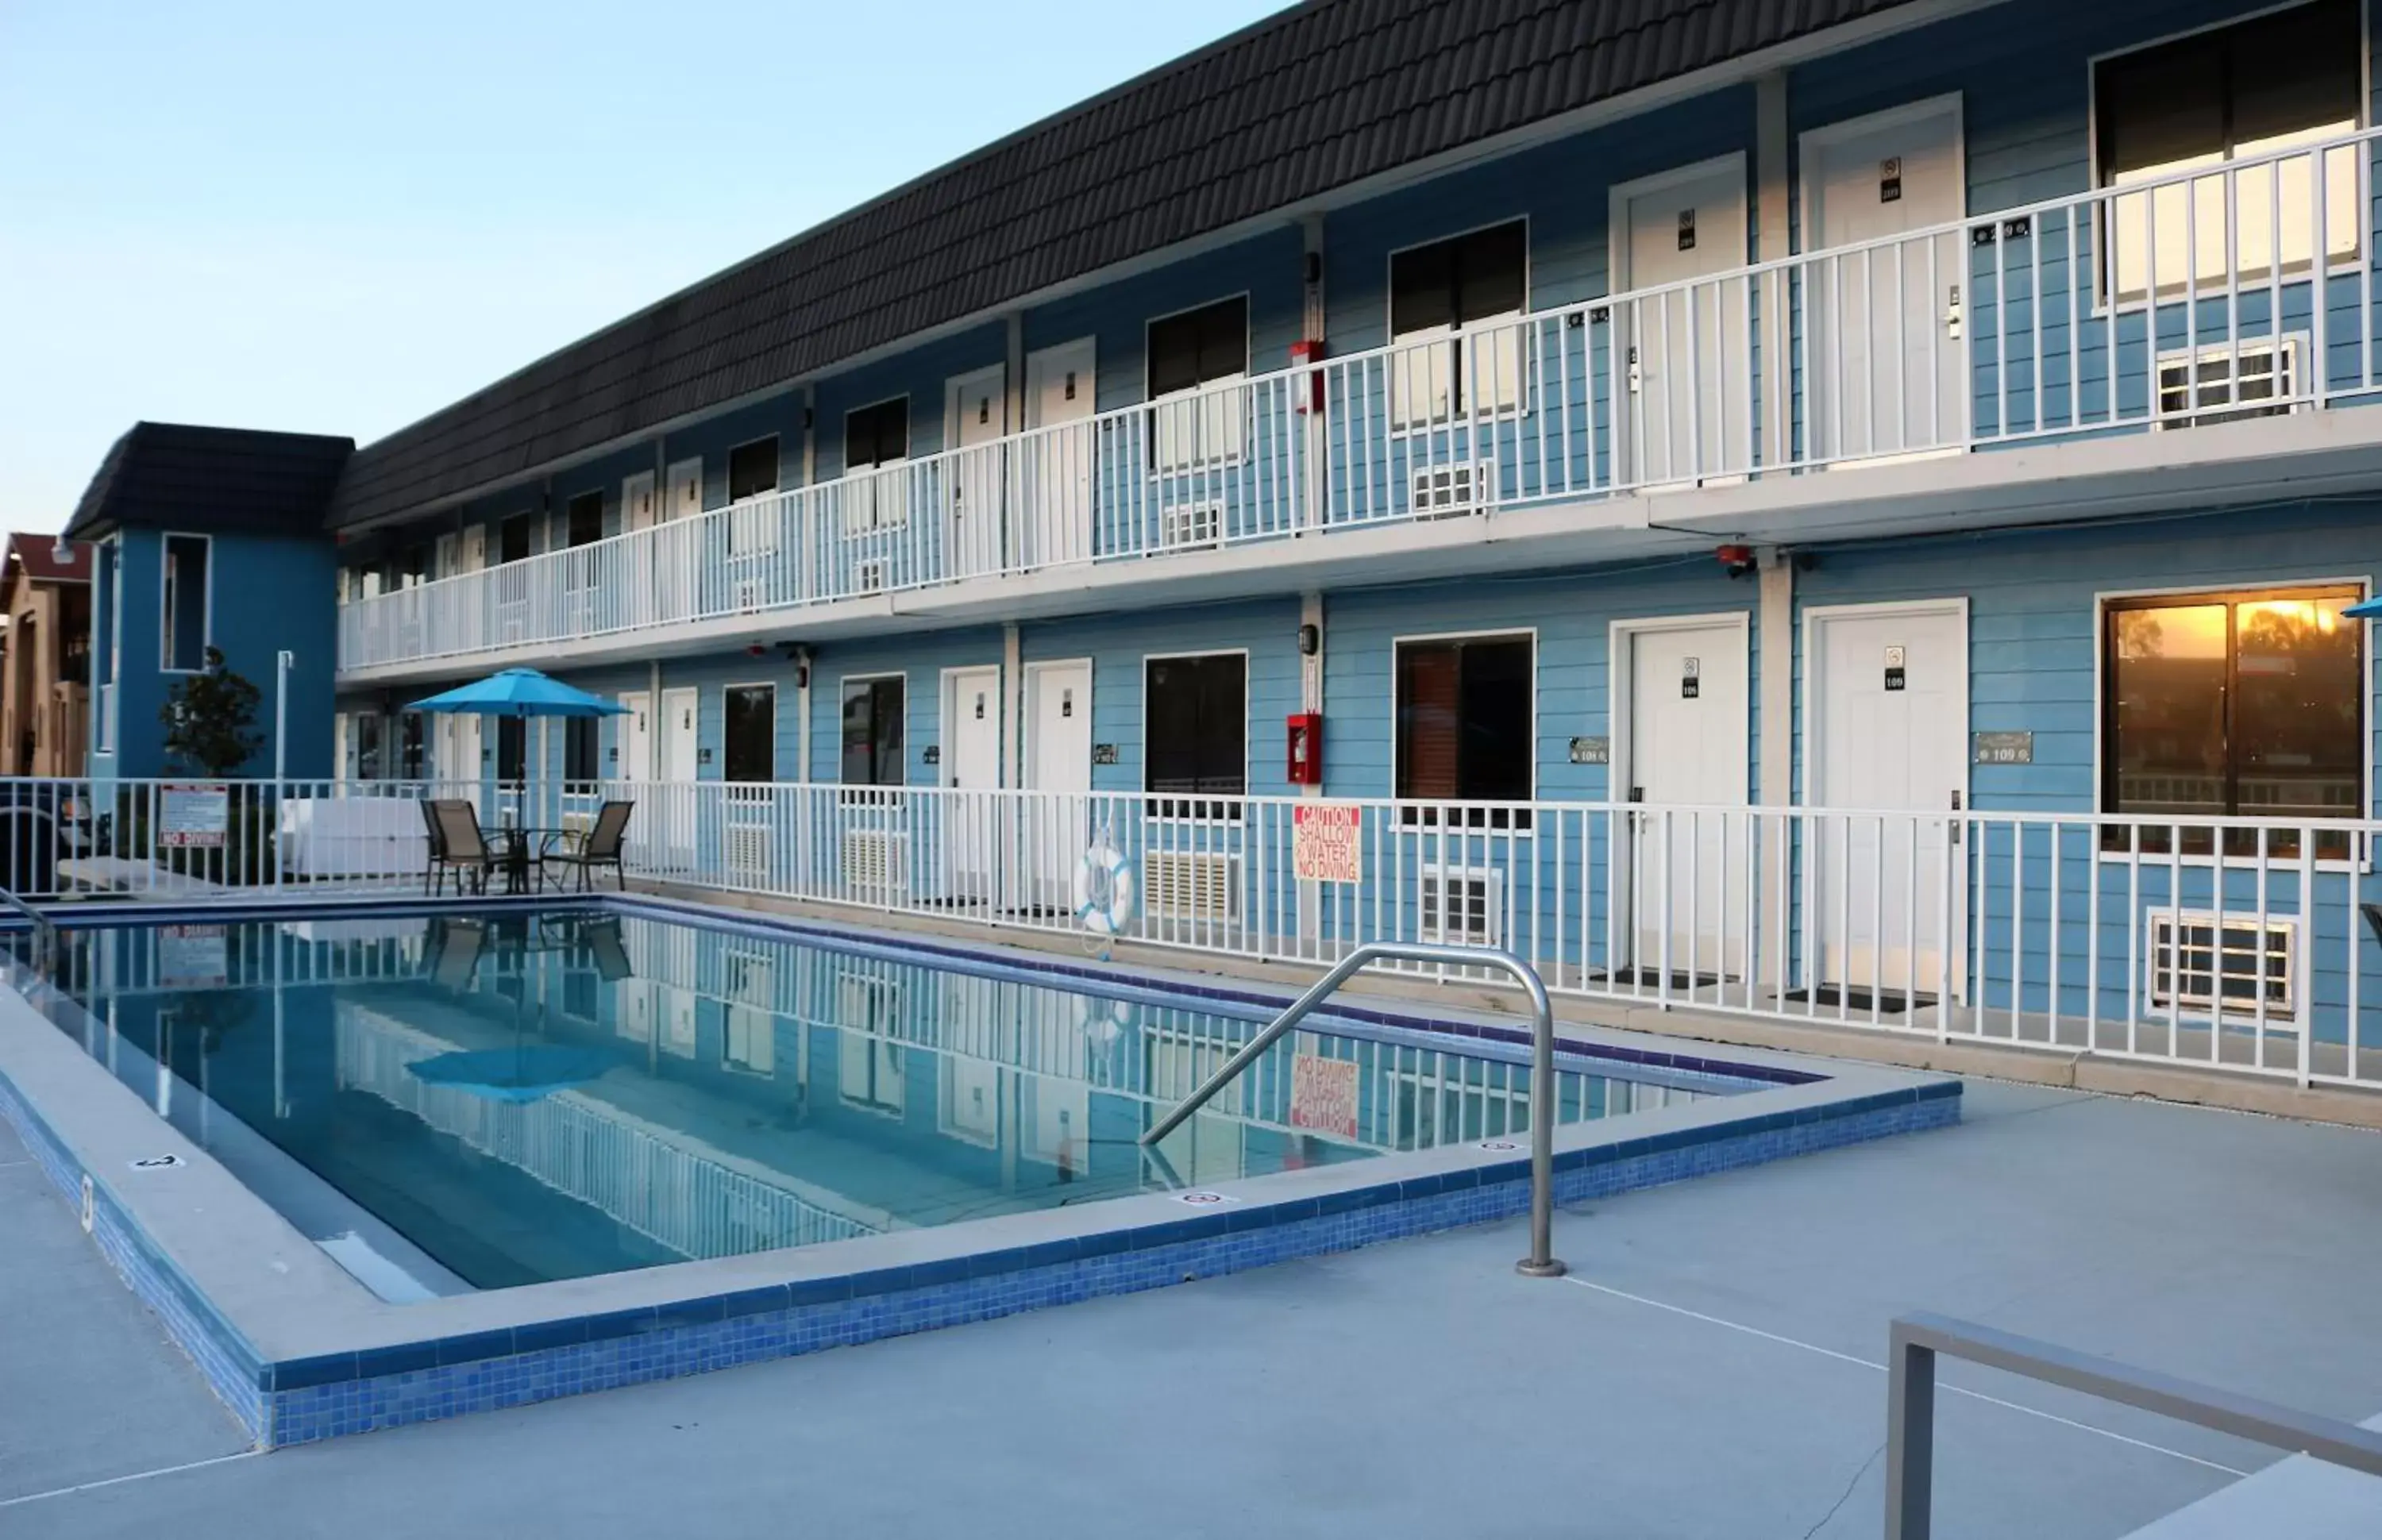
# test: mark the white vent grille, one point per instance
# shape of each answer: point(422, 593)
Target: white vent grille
point(2221, 383)
point(867, 577)
point(1459, 907)
point(2223, 964)
point(748, 853)
point(875, 864)
point(1189, 524)
point(1180, 887)
point(1459, 486)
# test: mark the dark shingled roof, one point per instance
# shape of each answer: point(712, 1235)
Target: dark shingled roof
point(208, 481)
point(1316, 98)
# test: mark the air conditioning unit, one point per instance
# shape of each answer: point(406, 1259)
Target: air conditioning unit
point(1459, 907)
point(1184, 525)
point(875, 864)
point(1455, 487)
point(748, 854)
point(2223, 964)
point(1190, 888)
point(2221, 383)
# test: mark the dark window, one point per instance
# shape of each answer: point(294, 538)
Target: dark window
point(752, 468)
point(1195, 732)
point(1191, 349)
point(2233, 703)
point(512, 539)
point(183, 622)
point(1448, 283)
point(1463, 720)
point(872, 732)
point(368, 736)
point(578, 757)
point(874, 436)
point(752, 733)
point(413, 747)
point(585, 517)
point(512, 748)
point(2229, 91)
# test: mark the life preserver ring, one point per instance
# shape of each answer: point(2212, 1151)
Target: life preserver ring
point(1104, 890)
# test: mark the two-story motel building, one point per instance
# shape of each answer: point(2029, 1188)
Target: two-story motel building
point(1521, 414)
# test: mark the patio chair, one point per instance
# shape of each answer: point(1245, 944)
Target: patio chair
point(600, 848)
point(458, 846)
point(455, 949)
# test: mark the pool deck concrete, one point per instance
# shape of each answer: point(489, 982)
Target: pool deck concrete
point(1709, 1370)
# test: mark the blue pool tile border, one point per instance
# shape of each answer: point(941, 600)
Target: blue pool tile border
point(759, 1325)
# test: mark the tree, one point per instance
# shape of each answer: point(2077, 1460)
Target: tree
point(209, 717)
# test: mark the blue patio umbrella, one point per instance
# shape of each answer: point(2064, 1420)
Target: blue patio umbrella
point(526, 1072)
point(519, 692)
point(2370, 610)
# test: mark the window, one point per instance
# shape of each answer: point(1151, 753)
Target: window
point(1206, 346)
point(751, 733)
point(410, 747)
point(2233, 703)
point(1194, 730)
point(1463, 719)
point(1464, 284)
point(2286, 79)
point(872, 732)
point(752, 468)
point(580, 761)
point(875, 435)
point(183, 620)
point(512, 539)
point(368, 733)
point(512, 748)
point(584, 519)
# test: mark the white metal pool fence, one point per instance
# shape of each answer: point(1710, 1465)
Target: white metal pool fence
point(2235, 944)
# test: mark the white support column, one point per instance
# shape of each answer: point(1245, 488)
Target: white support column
point(1013, 706)
point(1775, 622)
point(810, 435)
point(1012, 540)
point(652, 771)
point(1317, 491)
point(1774, 230)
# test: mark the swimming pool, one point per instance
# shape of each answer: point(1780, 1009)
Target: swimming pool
point(482, 1100)
point(376, 1164)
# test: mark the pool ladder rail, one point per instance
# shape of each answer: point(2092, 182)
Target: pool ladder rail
point(1541, 1263)
point(45, 932)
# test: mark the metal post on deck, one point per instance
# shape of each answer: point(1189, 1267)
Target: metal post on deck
point(1910, 1439)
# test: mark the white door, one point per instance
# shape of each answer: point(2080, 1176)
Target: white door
point(977, 408)
point(1884, 351)
point(472, 609)
point(1057, 765)
point(972, 772)
point(1685, 371)
point(675, 797)
point(1059, 455)
point(637, 501)
point(678, 545)
point(1887, 726)
point(1689, 745)
point(459, 757)
point(633, 756)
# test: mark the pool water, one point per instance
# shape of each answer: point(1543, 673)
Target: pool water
point(479, 1101)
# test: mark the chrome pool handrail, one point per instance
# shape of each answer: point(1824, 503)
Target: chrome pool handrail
point(1541, 1263)
point(45, 931)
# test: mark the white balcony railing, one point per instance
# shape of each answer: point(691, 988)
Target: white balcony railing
point(2164, 303)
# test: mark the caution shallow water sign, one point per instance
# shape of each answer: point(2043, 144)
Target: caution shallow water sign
point(1323, 1094)
point(1327, 841)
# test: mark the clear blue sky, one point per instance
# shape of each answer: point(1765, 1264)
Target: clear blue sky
point(336, 217)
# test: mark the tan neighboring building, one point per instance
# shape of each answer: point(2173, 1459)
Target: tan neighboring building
point(45, 683)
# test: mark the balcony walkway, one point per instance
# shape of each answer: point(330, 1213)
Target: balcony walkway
point(1708, 1370)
